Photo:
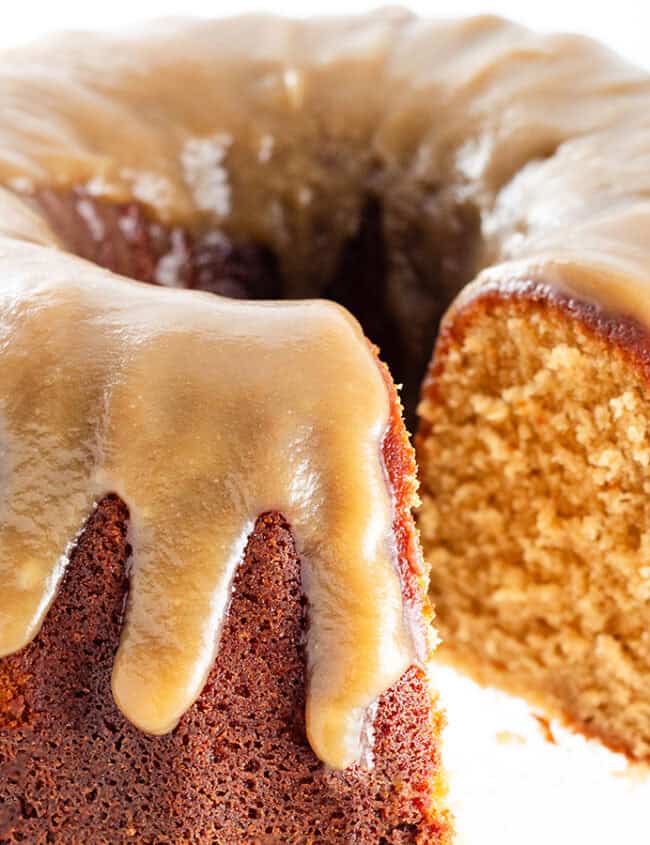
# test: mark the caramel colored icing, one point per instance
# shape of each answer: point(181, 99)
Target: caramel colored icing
point(202, 412)
point(276, 131)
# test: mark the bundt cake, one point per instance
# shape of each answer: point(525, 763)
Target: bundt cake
point(383, 162)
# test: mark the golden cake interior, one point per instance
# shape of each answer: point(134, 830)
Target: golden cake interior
point(534, 461)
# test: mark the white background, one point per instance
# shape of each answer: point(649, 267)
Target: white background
point(509, 786)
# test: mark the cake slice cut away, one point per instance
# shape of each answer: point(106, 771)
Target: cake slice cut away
point(533, 454)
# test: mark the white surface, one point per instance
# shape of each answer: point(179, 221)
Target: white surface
point(508, 785)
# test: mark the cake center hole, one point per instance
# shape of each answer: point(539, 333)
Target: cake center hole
point(389, 276)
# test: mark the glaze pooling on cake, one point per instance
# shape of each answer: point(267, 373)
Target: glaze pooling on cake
point(170, 399)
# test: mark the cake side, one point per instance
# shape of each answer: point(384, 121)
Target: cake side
point(238, 769)
point(534, 458)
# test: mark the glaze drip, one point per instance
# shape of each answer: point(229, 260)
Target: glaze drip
point(201, 413)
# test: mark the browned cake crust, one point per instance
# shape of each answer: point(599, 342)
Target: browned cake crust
point(625, 333)
point(238, 769)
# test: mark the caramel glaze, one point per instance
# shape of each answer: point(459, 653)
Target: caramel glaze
point(201, 412)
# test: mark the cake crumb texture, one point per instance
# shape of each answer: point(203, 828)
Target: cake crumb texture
point(238, 769)
point(534, 454)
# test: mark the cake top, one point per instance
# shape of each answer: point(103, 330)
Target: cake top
point(292, 125)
